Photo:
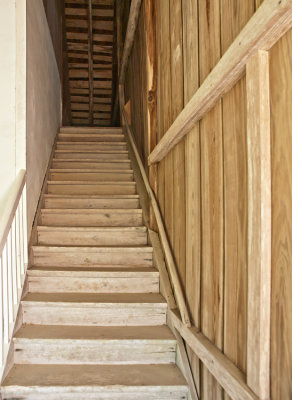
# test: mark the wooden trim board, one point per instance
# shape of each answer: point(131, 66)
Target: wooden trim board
point(259, 224)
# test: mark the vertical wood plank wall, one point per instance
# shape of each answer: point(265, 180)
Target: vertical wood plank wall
point(203, 181)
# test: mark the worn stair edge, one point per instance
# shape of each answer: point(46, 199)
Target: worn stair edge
point(94, 309)
point(92, 236)
point(36, 344)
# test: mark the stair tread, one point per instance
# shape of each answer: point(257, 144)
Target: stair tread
point(91, 160)
point(93, 249)
point(92, 211)
point(98, 299)
point(103, 183)
point(94, 143)
point(91, 196)
point(94, 375)
point(95, 332)
point(92, 229)
point(90, 129)
point(92, 170)
point(93, 272)
point(93, 151)
point(94, 268)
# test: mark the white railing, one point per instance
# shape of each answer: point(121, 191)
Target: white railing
point(13, 261)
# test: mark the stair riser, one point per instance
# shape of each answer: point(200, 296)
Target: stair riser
point(92, 238)
point(89, 259)
point(91, 155)
point(96, 352)
point(90, 138)
point(107, 219)
point(87, 130)
point(92, 285)
point(94, 315)
point(52, 393)
point(92, 147)
point(91, 176)
point(91, 165)
point(91, 189)
point(92, 203)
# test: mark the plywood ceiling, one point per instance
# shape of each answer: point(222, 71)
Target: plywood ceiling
point(90, 42)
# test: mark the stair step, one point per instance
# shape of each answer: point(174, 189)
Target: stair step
point(86, 164)
point(91, 201)
point(38, 344)
point(95, 382)
point(83, 236)
point(91, 137)
point(142, 280)
point(93, 155)
point(92, 146)
point(94, 309)
point(91, 217)
point(76, 256)
point(90, 175)
point(89, 187)
point(87, 130)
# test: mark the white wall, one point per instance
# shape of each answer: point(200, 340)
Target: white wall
point(43, 101)
point(12, 84)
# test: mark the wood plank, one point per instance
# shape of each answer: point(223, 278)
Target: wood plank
point(211, 198)
point(233, 19)
point(46, 256)
point(151, 76)
point(83, 23)
point(192, 175)
point(76, 84)
point(265, 28)
point(259, 223)
point(154, 382)
point(177, 101)
point(90, 61)
point(99, 37)
point(281, 147)
point(129, 39)
point(91, 202)
point(56, 236)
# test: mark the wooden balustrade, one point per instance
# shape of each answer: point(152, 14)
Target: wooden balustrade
point(13, 261)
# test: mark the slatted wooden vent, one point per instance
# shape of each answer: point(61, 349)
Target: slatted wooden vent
point(90, 38)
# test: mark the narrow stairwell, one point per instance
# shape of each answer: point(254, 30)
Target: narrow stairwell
point(93, 321)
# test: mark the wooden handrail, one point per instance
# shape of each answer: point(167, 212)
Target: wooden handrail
point(264, 29)
point(11, 206)
point(129, 40)
point(130, 35)
point(179, 295)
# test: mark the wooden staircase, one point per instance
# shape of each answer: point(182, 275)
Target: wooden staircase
point(93, 323)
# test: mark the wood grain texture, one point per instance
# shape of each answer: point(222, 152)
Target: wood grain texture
point(211, 197)
point(281, 128)
point(151, 59)
point(259, 224)
point(234, 17)
point(192, 175)
point(177, 102)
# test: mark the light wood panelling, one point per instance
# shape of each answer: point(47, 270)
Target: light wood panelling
point(211, 197)
point(192, 175)
point(234, 16)
point(203, 189)
point(177, 101)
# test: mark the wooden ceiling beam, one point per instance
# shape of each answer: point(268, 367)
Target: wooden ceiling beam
point(90, 62)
